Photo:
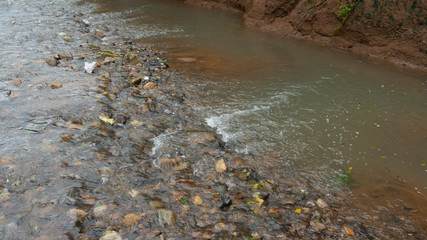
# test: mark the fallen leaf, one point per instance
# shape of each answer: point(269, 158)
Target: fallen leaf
point(348, 231)
point(108, 53)
point(134, 122)
point(184, 180)
point(106, 120)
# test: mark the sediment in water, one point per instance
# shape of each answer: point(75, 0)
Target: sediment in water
point(393, 31)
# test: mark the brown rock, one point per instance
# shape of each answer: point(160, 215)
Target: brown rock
point(5, 160)
point(204, 137)
point(99, 34)
point(78, 214)
point(220, 166)
point(55, 85)
point(197, 200)
point(157, 204)
point(144, 108)
point(112, 96)
point(317, 226)
point(321, 203)
point(67, 137)
point(170, 162)
point(131, 219)
point(181, 167)
point(16, 82)
point(150, 85)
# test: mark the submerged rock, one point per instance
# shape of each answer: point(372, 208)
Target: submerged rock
point(131, 219)
point(167, 218)
point(77, 214)
point(197, 200)
point(16, 82)
point(111, 235)
point(52, 62)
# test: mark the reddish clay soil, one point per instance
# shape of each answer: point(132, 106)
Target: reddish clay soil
point(391, 30)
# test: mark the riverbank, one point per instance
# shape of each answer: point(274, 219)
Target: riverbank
point(394, 31)
point(99, 142)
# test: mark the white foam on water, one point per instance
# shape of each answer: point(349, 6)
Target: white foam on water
point(223, 122)
point(159, 141)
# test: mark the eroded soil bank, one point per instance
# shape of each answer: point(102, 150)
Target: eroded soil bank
point(394, 31)
point(114, 151)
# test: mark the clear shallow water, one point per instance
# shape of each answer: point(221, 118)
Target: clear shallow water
point(300, 108)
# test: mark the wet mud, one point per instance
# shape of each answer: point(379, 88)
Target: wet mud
point(115, 151)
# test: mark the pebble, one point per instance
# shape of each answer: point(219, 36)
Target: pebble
point(204, 137)
point(112, 235)
point(167, 218)
point(55, 85)
point(67, 38)
point(67, 137)
point(197, 200)
point(77, 214)
point(66, 54)
point(52, 62)
point(144, 108)
point(131, 219)
point(317, 226)
point(16, 82)
point(107, 60)
point(100, 210)
point(321, 203)
point(220, 166)
point(150, 85)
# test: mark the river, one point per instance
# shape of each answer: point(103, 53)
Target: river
point(315, 121)
point(302, 109)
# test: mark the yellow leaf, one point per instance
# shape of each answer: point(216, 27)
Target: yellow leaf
point(298, 211)
point(256, 186)
point(108, 53)
point(107, 120)
point(134, 122)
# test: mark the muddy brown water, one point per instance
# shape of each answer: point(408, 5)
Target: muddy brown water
point(306, 112)
point(303, 109)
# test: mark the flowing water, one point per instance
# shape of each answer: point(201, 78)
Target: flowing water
point(300, 108)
